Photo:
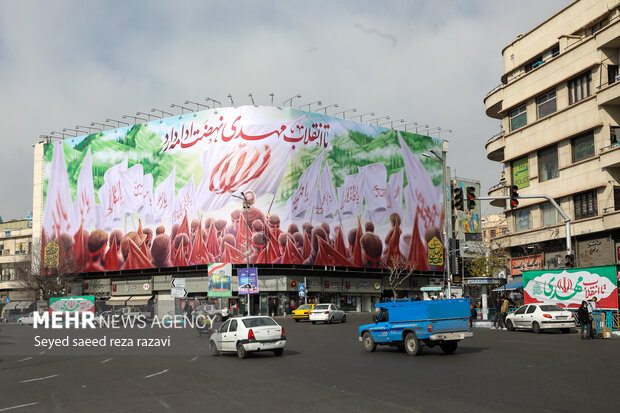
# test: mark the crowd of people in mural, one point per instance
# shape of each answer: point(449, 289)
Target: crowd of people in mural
point(207, 240)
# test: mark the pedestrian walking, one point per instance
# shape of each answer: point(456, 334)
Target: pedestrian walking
point(271, 306)
point(498, 313)
point(504, 310)
point(593, 307)
point(583, 315)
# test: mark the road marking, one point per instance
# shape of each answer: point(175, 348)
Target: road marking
point(39, 378)
point(43, 352)
point(155, 374)
point(194, 359)
point(27, 358)
point(17, 407)
point(106, 360)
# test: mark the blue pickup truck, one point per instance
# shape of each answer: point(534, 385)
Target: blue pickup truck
point(411, 324)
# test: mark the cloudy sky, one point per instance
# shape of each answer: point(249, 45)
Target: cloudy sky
point(68, 63)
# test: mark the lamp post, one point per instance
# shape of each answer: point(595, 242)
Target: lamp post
point(362, 116)
point(103, 125)
point(335, 105)
point(392, 123)
point(246, 208)
point(378, 119)
point(213, 100)
point(118, 122)
point(172, 105)
point(232, 102)
point(148, 115)
point(135, 118)
point(432, 154)
point(198, 105)
point(291, 100)
point(344, 112)
point(88, 128)
point(59, 133)
point(311, 103)
point(161, 111)
point(252, 99)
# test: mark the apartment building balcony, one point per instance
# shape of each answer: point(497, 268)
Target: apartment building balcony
point(493, 102)
point(498, 190)
point(495, 147)
point(609, 94)
point(608, 36)
point(610, 156)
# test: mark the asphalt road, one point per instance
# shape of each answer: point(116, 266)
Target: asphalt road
point(323, 369)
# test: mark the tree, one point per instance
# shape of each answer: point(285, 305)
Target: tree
point(399, 272)
point(488, 264)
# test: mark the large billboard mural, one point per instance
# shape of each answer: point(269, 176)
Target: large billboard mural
point(319, 191)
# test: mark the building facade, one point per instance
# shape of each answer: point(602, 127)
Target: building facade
point(559, 107)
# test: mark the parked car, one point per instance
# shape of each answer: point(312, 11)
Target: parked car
point(302, 312)
point(327, 313)
point(27, 319)
point(538, 317)
point(244, 335)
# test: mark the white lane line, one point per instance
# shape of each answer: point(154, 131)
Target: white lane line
point(194, 359)
point(155, 374)
point(106, 360)
point(43, 352)
point(27, 358)
point(17, 407)
point(39, 378)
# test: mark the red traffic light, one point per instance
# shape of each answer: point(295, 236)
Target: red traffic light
point(514, 195)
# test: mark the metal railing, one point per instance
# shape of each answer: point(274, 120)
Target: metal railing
point(495, 137)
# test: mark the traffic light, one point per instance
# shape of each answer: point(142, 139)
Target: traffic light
point(514, 195)
point(458, 198)
point(569, 261)
point(471, 196)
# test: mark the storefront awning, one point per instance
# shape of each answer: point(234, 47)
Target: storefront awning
point(431, 288)
point(139, 300)
point(118, 300)
point(22, 305)
point(10, 306)
point(517, 282)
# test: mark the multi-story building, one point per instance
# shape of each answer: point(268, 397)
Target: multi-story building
point(494, 226)
point(559, 106)
point(15, 253)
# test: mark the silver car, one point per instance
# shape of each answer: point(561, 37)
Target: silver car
point(539, 317)
point(248, 334)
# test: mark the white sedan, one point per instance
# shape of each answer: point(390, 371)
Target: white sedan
point(327, 313)
point(539, 317)
point(27, 319)
point(247, 334)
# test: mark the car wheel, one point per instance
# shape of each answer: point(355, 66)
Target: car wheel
point(412, 344)
point(296, 320)
point(278, 352)
point(368, 343)
point(214, 350)
point(20, 323)
point(449, 347)
point(565, 330)
point(314, 322)
point(509, 325)
point(536, 327)
point(344, 318)
point(331, 320)
point(241, 353)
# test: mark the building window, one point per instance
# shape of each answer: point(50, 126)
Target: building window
point(548, 164)
point(493, 233)
point(585, 204)
point(518, 118)
point(546, 104)
point(616, 198)
point(579, 88)
point(522, 220)
point(583, 146)
point(549, 214)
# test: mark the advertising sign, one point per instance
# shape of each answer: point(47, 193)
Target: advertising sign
point(137, 197)
point(521, 173)
point(531, 262)
point(595, 252)
point(248, 280)
point(570, 287)
point(220, 280)
point(72, 304)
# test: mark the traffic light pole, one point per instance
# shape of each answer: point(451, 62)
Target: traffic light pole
point(565, 217)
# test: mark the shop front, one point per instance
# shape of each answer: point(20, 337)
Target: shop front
point(132, 293)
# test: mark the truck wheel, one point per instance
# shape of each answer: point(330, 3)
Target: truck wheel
point(449, 347)
point(536, 327)
point(368, 342)
point(412, 344)
point(214, 350)
point(509, 325)
point(296, 320)
point(241, 353)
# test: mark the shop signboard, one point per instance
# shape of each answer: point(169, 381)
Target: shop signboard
point(531, 262)
point(78, 304)
point(248, 280)
point(220, 280)
point(132, 287)
point(595, 252)
point(569, 287)
point(303, 167)
point(520, 173)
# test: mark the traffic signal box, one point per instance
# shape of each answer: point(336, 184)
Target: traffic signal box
point(458, 198)
point(514, 195)
point(471, 197)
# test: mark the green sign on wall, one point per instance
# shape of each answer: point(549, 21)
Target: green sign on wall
point(521, 173)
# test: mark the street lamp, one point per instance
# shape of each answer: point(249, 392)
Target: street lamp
point(135, 118)
point(213, 100)
point(378, 119)
point(77, 132)
point(246, 208)
point(439, 132)
point(311, 103)
point(59, 133)
point(231, 99)
point(271, 94)
point(291, 100)
point(417, 127)
point(362, 116)
point(198, 105)
point(161, 111)
point(335, 105)
point(148, 115)
point(429, 130)
point(344, 112)
point(88, 128)
point(118, 122)
point(172, 105)
point(392, 122)
point(103, 125)
point(252, 99)
point(432, 154)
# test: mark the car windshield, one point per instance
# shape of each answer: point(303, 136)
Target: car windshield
point(322, 307)
point(259, 322)
point(551, 308)
point(304, 307)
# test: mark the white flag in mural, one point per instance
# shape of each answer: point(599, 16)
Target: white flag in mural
point(59, 216)
point(147, 203)
point(85, 195)
point(132, 188)
point(185, 201)
point(164, 198)
point(395, 193)
point(420, 193)
point(351, 195)
point(305, 195)
point(111, 194)
point(375, 190)
point(326, 203)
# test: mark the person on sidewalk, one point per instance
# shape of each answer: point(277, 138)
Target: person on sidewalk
point(504, 310)
point(498, 313)
point(583, 315)
point(593, 307)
